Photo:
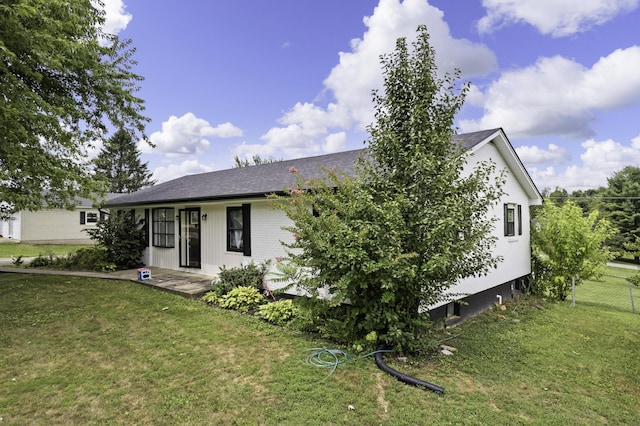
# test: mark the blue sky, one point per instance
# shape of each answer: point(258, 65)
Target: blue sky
point(292, 78)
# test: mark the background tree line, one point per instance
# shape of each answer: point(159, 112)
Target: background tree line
point(618, 202)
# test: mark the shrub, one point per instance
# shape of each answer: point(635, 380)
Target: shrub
point(87, 259)
point(242, 298)
point(319, 316)
point(220, 288)
point(250, 275)
point(44, 260)
point(279, 313)
point(122, 238)
point(634, 280)
point(211, 297)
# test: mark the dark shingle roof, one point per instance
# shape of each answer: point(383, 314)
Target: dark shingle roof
point(469, 140)
point(239, 182)
point(257, 180)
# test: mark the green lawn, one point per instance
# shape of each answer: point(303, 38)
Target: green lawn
point(8, 249)
point(611, 291)
point(81, 351)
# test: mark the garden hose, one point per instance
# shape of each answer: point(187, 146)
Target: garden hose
point(332, 358)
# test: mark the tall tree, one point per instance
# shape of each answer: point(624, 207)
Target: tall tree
point(63, 81)
point(622, 205)
point(393, 239)
point(633, 248)
point(119, 162)
point(589, 199)
point(558, 195)
point(567, 244)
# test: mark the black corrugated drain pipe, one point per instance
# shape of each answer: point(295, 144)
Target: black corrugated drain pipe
point(403, 377)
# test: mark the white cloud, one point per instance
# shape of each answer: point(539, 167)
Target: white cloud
point(475, 97)
point(599, 161)
point(293, 141)
point(559, 96)
point(247, 151)
point(535, 155)
point(359, 71)
point(187, 135)
point(552, 17)
point(608, 155)
point(335, 142)
point(173, 171)
point(306, 126)
point(116, 18)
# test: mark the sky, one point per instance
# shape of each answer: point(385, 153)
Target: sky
point(293, 78)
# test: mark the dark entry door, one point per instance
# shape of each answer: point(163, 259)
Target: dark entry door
point(190, 238)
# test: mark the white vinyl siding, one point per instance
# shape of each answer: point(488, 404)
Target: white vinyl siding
point(55, 226)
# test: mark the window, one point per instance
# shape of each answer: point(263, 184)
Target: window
point(453, 309)
point(163, 227)
point(88, 217)
point(239, 229)
point(512, 219)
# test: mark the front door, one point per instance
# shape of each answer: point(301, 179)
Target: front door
point(190, 238)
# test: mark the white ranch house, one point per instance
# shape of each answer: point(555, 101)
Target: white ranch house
point(201, 222)
point(52, 226)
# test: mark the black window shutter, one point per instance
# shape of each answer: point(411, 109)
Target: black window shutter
point(146, 226)
point(506, 219)
point(83, 218)
point(519, 219)
point(246, 229)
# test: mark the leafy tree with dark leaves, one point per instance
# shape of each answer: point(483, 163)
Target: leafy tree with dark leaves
point(63, 83)
point(392, 240)
point(119, 162)
point(589, 199)
point(558, 195)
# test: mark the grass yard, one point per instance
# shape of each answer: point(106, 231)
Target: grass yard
point(611, 291)
point(82, 351)
point(9, 249)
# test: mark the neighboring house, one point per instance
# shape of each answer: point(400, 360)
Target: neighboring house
point(52, 226)
point(202, 222)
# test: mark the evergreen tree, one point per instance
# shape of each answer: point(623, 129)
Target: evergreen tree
point(622, 206)
point(119, 162)
point(589, 199)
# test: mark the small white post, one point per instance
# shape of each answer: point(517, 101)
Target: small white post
point(573, 292)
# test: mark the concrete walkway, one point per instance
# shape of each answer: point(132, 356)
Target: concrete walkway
point(185, 284)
